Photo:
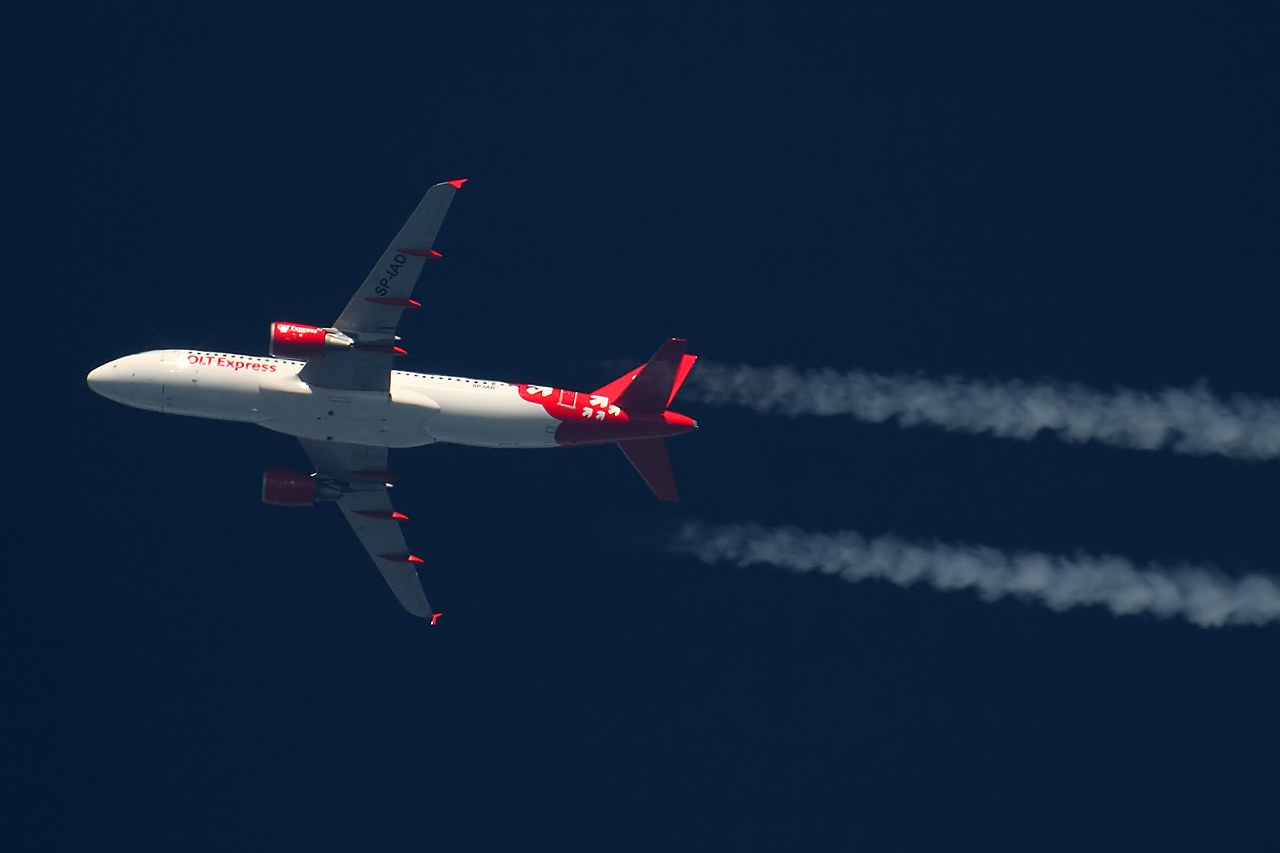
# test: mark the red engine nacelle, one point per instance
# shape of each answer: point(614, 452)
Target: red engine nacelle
point(294, 340)
point(282, 487)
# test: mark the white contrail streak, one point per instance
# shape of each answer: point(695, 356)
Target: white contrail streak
point(1200, 594)
point(1191, 421)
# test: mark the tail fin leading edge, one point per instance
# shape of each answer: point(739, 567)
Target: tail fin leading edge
point(651, 388)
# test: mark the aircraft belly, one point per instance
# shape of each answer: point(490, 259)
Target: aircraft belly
point(223, 404)
point(494, 417)
point(377, 418)
point(188, 390)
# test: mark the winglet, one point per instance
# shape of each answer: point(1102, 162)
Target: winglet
point(435, 616)
point(457, 184)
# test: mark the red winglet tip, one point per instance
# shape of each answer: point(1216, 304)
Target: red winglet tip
point(413, 559)
point(393, 302)
point(385, 515)
point(435, 616)
point(436, 254)
point(381, 349)
point(458, 183)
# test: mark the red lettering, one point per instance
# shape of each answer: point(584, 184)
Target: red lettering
point(232, 363)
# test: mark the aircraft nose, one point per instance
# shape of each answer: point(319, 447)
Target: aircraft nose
point(107, 380)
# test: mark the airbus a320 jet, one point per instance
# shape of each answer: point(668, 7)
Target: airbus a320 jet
point(335, 389)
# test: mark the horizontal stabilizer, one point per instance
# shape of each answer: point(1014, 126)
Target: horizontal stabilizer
point(649, 457)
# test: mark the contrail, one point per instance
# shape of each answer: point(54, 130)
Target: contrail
point(1185, 420)
point(1202, 595)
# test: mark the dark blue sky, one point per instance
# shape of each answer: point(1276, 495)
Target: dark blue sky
point(1085, 194)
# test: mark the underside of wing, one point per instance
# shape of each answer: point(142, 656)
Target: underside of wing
point(359, 472)
point(371, 317)
point(349, 370)
point(371, 516)
point(385, 293)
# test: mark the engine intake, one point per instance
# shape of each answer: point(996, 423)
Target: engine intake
point(294, 340)
point(283, 487)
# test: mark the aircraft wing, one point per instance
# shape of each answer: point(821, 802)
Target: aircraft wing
point(374, 311)
point(366, 503)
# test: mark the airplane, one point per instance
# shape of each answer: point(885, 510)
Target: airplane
point(335, 390)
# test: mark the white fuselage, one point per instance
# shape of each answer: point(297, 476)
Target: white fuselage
point(419, 408)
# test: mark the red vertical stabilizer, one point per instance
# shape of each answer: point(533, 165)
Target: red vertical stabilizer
point(649, 456)
point(686, 364)
point(650, 389)
point(637, 397)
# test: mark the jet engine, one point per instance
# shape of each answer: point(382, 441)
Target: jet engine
point(282, 487)
point(294, 340)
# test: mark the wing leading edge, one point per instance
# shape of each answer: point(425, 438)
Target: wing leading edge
point(360, 472)
point(372, 315)
point(381, 299)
